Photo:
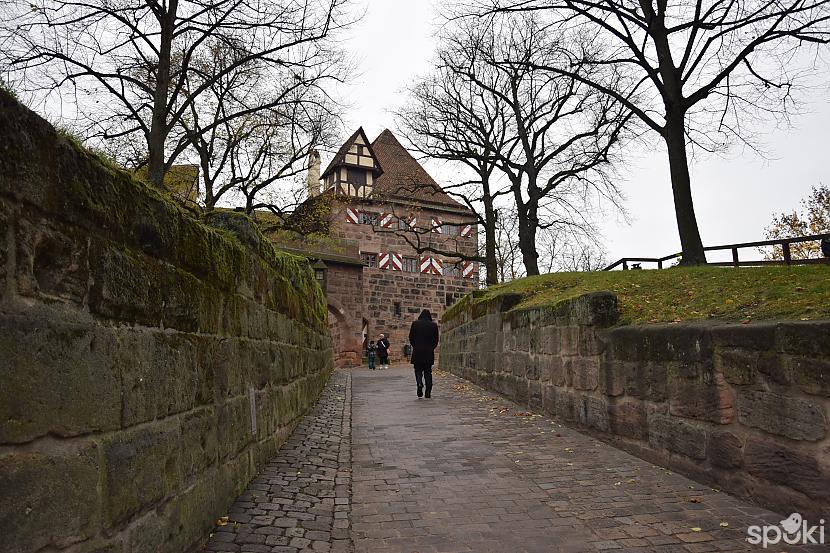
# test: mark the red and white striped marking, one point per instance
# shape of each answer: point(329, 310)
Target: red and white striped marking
point(396, 260)
point(386, 220)
point(412, 221)
point(383, 260)
point(466, 230)
point(436, 225)
point(431, 265)
point(468, 269)
point(352, 216)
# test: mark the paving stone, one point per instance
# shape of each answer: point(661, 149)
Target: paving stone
point(294, 493)
point(483, 476)
point(374, 469)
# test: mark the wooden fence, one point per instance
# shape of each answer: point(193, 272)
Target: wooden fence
point(784, 243)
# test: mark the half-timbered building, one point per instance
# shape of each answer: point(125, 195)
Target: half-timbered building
point(399, 232)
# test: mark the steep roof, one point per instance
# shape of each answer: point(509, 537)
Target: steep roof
point(403, 177)
point(340, 157)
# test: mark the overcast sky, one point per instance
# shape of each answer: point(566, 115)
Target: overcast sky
point(735, 197)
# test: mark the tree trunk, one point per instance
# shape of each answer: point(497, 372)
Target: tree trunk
point(158, 126)
point(527, 245)
point(528, 223)
point(490, 263)
point(684, 208)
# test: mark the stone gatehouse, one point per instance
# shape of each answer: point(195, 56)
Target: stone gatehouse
point(385, 208)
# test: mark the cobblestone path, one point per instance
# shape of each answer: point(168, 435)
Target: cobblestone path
point(300, 501)
point(376, 470)
point(460, 472)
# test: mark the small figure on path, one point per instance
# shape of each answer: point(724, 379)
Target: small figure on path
point(423, 335)
point(371, 354)
point(383, 351)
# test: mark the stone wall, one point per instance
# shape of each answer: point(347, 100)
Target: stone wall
point(742, 407)
point(150, 363)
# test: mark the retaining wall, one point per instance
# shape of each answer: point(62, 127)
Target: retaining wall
point(150, 363)
point(743, 407)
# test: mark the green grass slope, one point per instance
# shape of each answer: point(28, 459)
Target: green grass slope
point(683, 294)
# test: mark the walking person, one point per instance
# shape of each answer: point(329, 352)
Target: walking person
point(371, 354)
point(383, 351)
point(423, 335)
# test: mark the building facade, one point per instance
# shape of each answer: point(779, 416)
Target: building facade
point(400, 235)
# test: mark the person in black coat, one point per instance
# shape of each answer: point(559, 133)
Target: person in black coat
point(383, 351)
point(423, 335)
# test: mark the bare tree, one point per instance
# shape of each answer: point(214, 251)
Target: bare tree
point(279, 153)
point(126, 64)
point(696, 72)
point(450, 118)
point(562, 134)
point(249, 152)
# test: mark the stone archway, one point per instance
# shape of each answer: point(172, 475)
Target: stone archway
point(346, 347)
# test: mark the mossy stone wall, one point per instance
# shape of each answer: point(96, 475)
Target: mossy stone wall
point(151, 362)
point(740, 406)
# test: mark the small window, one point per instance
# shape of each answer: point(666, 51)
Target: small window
point(402, 224)
point(397, 309)
point(368, 218)
point(449, 230)
point(369, 259)
point(452, 270)
point(410, 265)
point(320, 274)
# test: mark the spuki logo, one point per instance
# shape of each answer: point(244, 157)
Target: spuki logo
point(793, 530)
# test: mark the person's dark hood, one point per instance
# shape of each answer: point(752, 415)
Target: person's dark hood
point(425, 315)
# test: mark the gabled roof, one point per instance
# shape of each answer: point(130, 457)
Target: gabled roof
point(403, 177)
point(340, 157)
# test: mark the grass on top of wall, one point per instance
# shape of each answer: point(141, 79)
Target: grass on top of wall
point(683, 294)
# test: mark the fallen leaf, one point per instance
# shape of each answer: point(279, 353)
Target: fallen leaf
point(222, 521)
point(724, 524)
point(695, 529)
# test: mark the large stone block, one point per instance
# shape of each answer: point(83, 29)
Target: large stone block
point(805, 338)
point(685, 344)
point(48, 499)
point(162, 374)
point(505, 384)
point(569, 340)
point(61, 378)
point(678, 436)
point(725, 449)
point(183, 522)
point(199, 442)
point(126, 285)
point(788, 416)
point(593, 412)
point(591, 341)
point(584, 372)
point(553, 369)
point(644, 380)
point(234, 431)
point(697, 392)
point(51, 260)
point(811, 374)
point(567, 405)
point(783, 464)
point(756, 336)
point(628, 418)
point(142, 468)
point(743, 366)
